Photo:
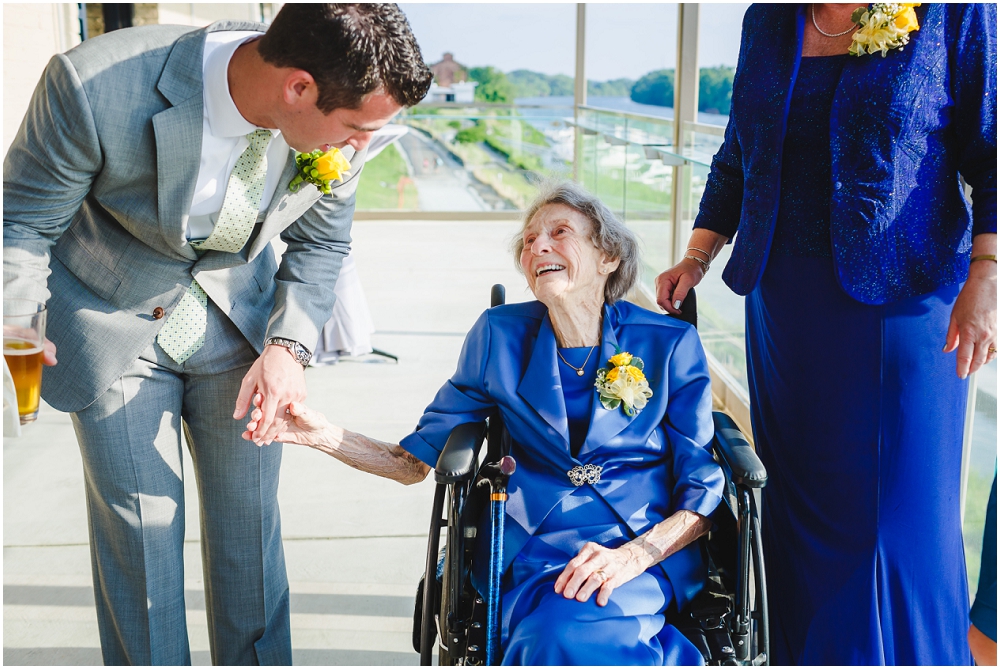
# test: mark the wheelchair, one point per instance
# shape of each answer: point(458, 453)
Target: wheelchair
point(726, 621)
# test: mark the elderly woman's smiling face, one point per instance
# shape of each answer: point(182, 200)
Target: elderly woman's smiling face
point(560, 260)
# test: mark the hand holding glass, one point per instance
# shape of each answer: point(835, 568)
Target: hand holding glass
point(23, 344)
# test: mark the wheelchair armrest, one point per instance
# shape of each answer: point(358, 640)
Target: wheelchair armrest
point(460, 456)
point(744, 465)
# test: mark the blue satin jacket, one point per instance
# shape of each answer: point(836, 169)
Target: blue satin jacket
point(902, 130)
point(655, 463)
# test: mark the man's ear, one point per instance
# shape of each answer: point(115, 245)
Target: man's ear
point(300, 87)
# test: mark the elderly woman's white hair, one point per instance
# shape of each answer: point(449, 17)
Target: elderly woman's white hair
point(608, 233)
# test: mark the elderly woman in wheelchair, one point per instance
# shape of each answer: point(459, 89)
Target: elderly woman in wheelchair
point(608, 409)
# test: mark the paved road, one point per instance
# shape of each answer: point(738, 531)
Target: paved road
point(354, 544)
point(442, 183)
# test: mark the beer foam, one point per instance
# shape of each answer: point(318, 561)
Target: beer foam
point(10, 351)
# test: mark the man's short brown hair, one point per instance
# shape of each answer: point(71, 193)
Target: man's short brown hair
point(350, 50)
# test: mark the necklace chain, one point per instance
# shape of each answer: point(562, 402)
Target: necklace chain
point(812, 11)
point(578, 370)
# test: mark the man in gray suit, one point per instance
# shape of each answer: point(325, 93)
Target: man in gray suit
point(140, 196)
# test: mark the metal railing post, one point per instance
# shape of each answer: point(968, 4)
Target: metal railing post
point(579, 87)
point(685, 111)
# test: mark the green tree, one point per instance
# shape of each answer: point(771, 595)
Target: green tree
point(655, 88)
point(560, 84)
point(715, 89)
point(614, 88)
point(528, 84)
point(493, 84)
point(471, 135)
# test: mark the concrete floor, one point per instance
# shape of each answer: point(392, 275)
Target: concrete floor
point(354, 544)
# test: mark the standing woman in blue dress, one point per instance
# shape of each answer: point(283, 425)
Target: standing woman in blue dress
point(864, 270)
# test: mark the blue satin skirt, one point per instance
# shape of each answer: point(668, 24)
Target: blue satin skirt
point(540, 627)
point(858, 417)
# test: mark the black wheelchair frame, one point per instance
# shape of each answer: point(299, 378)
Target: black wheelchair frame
point(727, 620)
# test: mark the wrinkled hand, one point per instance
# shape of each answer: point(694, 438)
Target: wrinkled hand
point(306, 426)
point(673, 285)
point(582, 577)
point(49, 354)
point(973, 326)
point(280, 380)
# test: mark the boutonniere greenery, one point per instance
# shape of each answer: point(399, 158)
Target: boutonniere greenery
point(883, 26)
point(319, 169)
point(622, 384)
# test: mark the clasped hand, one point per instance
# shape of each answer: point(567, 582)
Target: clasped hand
point(279, 380)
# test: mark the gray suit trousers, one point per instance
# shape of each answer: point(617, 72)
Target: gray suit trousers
point(130, 439)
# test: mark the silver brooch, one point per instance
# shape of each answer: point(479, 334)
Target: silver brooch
point(585, 474)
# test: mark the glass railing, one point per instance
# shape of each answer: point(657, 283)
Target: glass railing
point(469, 158)
point(981, 468)
point(629, 161)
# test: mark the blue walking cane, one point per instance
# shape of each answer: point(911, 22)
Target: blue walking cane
point(498, 506)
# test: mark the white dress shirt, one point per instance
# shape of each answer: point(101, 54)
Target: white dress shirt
point(224, 132)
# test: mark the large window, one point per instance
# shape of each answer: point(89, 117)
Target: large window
point(497, 119)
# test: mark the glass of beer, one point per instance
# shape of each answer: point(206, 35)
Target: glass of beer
point(23, 337)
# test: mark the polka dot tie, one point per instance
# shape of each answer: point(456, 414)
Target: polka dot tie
point(184, 332)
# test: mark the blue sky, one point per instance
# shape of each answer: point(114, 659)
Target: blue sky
point(623, 40)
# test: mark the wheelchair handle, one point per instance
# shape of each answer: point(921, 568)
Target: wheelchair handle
point(460, 455)
point(743, 463)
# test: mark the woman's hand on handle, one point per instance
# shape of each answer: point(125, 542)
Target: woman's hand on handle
point(673, 285)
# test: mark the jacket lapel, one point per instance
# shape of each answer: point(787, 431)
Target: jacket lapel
point(541, 386)
point(286, 206)
point(178, 133)
point(605, 424)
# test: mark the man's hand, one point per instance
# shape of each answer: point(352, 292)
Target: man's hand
point(280, 380)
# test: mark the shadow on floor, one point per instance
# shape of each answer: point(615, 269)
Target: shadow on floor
point(350, 605)
point(305, 656)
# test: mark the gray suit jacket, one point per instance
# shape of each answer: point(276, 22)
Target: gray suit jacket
point(97, 185)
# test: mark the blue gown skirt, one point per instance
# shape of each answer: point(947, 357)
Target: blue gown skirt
point(540, 627)
point(858, 417)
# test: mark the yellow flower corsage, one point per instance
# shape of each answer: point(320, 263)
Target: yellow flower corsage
point(883, 26)
point(320, 169)
point(622, 384)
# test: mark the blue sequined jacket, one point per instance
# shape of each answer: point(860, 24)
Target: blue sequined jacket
point(902, 130)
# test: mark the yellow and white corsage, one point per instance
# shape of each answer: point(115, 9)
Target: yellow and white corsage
point(883, 26)
point(622, 384)
point(319, 169)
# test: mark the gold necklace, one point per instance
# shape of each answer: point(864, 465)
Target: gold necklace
point(579, 370)
point(812, 9)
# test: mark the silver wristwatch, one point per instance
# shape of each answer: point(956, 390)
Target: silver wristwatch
point(298, 351)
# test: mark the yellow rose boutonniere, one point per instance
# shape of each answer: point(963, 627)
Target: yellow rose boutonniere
point(622, 384)
point(883, 26)
point(320, 169)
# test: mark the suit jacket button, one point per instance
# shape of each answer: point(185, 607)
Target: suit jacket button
point(158, 313)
